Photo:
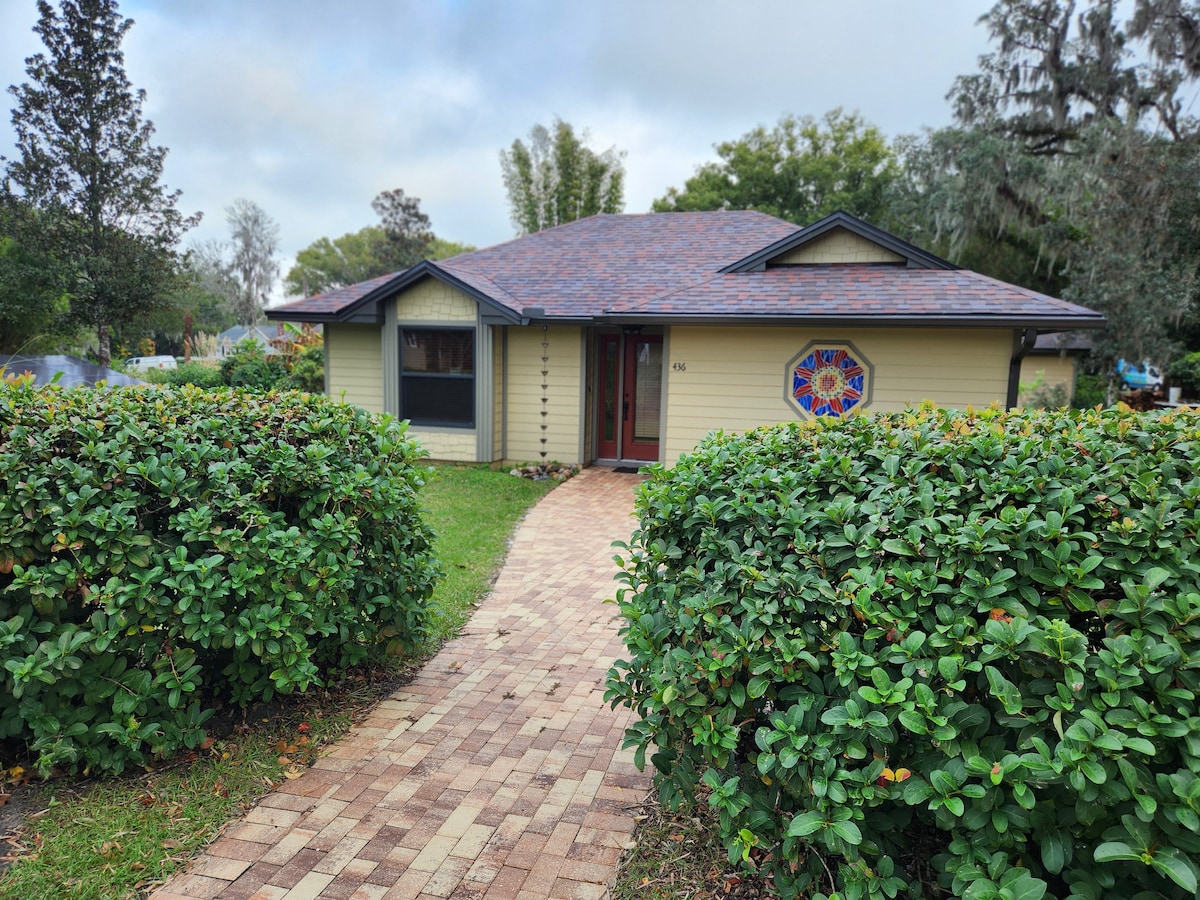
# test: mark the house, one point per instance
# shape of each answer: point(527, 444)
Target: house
point(1049, 368)
point(229, 339)
point(626, 338)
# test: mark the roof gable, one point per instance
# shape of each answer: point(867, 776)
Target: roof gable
point(790, 250)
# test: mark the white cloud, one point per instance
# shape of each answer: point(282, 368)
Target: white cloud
point(310, 109)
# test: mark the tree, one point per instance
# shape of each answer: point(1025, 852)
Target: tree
point(1072, 158)
point(88, 164)
point(800, 170)
point(557, 178)
point(402, 240)
point(328, 264)
point(33, 300)
point(243, 269)
point(405, 227)
point(254, 237)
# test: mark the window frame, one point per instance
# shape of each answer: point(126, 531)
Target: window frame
point(428, 422)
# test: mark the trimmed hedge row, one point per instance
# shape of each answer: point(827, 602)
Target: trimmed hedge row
point(931, 653)
point(166, 550)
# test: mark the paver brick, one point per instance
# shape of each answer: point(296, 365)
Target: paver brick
point(496, 772)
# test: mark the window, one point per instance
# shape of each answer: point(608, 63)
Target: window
point(831, 379)
point(437, 376)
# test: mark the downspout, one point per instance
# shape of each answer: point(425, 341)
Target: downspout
point(1022, 343)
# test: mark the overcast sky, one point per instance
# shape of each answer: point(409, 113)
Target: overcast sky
point(312, 108)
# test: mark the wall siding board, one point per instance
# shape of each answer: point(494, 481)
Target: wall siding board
point(563, 393)
point(354, 364)
point(1052, 370)
point(735, 377)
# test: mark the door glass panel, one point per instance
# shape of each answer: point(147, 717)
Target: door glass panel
point(648, 397)
point(608, 391)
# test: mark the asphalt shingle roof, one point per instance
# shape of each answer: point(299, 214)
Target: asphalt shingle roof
point(669, 265)
point(853, 291)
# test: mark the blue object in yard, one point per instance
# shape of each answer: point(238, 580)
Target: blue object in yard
point(1139, 375)
point(70, 370)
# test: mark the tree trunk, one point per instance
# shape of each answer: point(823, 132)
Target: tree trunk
point(103, 341)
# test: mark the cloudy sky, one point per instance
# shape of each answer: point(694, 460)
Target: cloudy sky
point(311, 108)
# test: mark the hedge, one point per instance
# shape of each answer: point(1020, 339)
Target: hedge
point(931, 653)
point(164, 551)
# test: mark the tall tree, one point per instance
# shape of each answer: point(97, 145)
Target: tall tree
point(557, 178)
point(1072, 151)
point(33, 300)
point(326, 263)
point(402, 239)
point(800, 170)
point(243, 269)
point(405, 227)
point(254, 240)
point(89, 165)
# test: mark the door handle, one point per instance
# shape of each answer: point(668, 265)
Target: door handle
point(625, 408)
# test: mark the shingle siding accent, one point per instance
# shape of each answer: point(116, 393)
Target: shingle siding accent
point(432, 300)
point(839, 246)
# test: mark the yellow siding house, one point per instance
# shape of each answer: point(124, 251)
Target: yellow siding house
point(625, 339)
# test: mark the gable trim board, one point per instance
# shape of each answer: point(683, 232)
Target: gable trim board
point(735, 293)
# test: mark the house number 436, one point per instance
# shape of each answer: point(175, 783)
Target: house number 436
point(679, 367)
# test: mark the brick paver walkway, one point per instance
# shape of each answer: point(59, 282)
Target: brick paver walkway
point(495, 773)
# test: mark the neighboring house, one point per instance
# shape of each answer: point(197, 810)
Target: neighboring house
point(1053, 362)
point(228, 340)
point(69, 370)
point(626, 338)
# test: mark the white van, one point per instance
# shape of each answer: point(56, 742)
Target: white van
point(150, 362)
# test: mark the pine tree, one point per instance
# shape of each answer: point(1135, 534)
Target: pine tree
point(89, 165)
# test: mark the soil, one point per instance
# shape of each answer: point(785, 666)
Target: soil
point(17, 803)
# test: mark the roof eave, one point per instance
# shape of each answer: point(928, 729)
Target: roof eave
point(284, 315)
point(368, 309)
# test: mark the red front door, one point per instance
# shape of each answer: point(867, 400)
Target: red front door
point(630, 396)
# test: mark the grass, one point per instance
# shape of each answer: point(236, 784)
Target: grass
point(473, 510)
point(118, 838)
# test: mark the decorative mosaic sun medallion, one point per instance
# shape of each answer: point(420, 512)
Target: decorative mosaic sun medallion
point(829, 380)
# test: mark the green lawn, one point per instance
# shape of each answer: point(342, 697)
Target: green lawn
point(116, 838)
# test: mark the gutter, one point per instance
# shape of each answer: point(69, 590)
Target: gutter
point(1022, 344)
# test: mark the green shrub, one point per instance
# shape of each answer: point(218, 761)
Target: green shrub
point(200, 374)
point(1090, 391)
point(250, 366)
point(1184, 372)
point(929, 653)
point(165, 550)
point(307, 372)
